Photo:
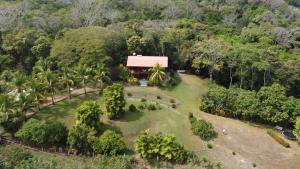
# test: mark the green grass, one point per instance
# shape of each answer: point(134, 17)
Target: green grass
point(64, 111)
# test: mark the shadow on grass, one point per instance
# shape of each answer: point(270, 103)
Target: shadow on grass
point(172, 83)
point(130, 116)
point(110, 126)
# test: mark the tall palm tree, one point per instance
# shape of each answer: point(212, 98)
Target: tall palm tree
point(25, 104)
point(67, 79)
point(37, 91)
point(101, 76)
point(157, 74)
point(83, 73)
point(50, 79)
point(7, 107)
point(19, 81)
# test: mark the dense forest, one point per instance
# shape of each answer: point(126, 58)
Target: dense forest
point(244, 43)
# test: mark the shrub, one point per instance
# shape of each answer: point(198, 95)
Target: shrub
point(18, 156)
point(254, 165)
point(174, 106)
point(129, 94)
point(39, 163)
point(80, 138)
point(111, 143)
point(202, 128)
point(191, 115)
point(142, 106)
point(151, 107)
point(278, 138)
point(233, 153)
point(89, 114)
point(172, 101)
point(133, 81)
point(114, 100)
point(164, 147)
point(143, 100)
point(158, 97)
point(210, 146)
point(132, 108)
point(40, 133)
point(296, 131)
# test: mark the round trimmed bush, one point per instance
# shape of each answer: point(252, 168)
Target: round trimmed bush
point(111, 143)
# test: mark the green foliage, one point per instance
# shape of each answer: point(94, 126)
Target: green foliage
point(16, 156)
point(278, 138)
point(296, 131)
point(37, 163)
point(163, 147)
point(89, 114)
point(40, 133)
point(210, 146)
point(110, 143)
point(132, 108)
point(124, 73)
point(151, 107)
point(269, 105)
point(202, 128)
point(89, 45)
point(114, 100)
point(157, 75)
point(80, 137)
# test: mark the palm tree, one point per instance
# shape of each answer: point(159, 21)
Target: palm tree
point(50, 79)
point(7, 105)
point(157, 74)
point(19, 81)
point(101, 76)
point(24, 104)
point(37, 91)
point(67, 79)
point(83, 73)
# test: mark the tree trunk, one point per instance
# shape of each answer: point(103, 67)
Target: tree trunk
point(69, 90)
point(52, 96)
point(84, 87)
point(230, 74)
point(211, 74)
point(100, 87)
point(265, 72)
point(242, 79)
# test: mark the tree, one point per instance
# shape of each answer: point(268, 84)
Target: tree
point(67, 79)
point(41, 47)
point(7, 107)
point(157, 74)
point(89, 114)
point(19, 81)
point(78, 138)
point(25, 104)
point(271, 100)
point(111, 143)
point(37, 91)
point(114, 100)
point(210, 54)
point(51, 80)
point(83, 74)
point(101, 76)
point(297, 129)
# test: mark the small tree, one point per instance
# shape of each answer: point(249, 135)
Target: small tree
point(89, 114)
point(297, 129)
point(157, 74)
point(78, 138)
point(114, 100)
point(111, 143)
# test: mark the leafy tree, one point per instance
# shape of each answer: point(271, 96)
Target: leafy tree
point(297, 129)
point(111, 143)
point(7, 107)
point(19, 81)
point(79, 136)
point(157, 74)
point(37, 91)
point(136, 44)
point(89, 114)
point(83, 73)
point(101, 76)
point(163, 147)
point(25, 103)
point(67, 79)
point(51, 80)
point(271, 100)
point(42, 47)
point(114, 100)
point(210, 54)
point(124, 73)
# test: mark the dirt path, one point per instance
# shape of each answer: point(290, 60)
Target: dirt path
point(251, 144)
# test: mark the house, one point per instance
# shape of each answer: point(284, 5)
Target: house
point(139, 65)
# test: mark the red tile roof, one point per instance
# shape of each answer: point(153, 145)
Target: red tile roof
point(147, 61)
